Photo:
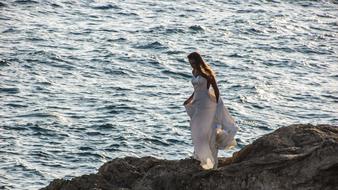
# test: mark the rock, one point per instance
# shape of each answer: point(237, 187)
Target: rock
point(293, 157)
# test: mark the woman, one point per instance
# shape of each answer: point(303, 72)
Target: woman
point(212, 127)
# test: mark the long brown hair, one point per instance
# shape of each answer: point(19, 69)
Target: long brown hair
point(201, 65)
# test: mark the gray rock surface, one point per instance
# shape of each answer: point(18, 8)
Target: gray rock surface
point(300, 156)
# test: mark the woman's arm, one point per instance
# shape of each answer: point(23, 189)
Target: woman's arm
point(188, 100)
point(214, 85)
point(191, 95)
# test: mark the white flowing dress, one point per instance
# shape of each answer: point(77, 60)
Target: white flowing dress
point(212, 127)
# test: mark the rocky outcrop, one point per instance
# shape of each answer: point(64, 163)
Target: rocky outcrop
point(293, 157)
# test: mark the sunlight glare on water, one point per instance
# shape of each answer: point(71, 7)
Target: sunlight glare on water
point(83, 82)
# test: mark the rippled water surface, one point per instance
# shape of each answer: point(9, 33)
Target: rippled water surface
point(82, 82)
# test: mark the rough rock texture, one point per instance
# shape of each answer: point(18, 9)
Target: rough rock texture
point(293, 157)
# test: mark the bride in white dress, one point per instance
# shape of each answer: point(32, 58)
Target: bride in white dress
point(212, 127)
